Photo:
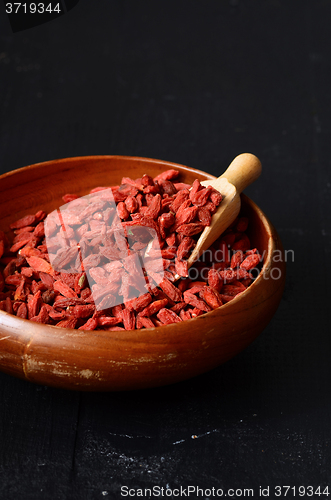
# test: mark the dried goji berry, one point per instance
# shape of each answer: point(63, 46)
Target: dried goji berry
point(67, 323)
point(28, 220)
point(129, 320)
point(237, 259)
point(167, 175)
point(40, 265)
point(167, 187)
point(242, 244)
point(191, 299)
point(185, 247)
point(43, 316)
point(22, 311)
point(64, 290)
point(211, 297)
point(166, 316)
point(250, 262)
point(154, 307)
point(181, 267)
point(200, 198)
point(91, 324)
point(190, 229)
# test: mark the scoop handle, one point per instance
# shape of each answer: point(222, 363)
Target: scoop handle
point(242, 171)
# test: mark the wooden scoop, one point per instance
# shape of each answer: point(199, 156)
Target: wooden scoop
point(244, 170)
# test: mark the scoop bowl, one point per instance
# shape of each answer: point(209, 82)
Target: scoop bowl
point(114, 361)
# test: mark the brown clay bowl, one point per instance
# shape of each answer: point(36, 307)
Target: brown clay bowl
point(113, 361)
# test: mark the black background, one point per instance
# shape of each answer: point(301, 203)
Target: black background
point(195, 83)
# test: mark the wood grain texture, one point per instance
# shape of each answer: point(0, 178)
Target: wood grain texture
point(103, 360)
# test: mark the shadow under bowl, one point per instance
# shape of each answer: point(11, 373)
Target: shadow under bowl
point(113, 361)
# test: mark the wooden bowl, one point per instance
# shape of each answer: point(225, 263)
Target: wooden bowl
point(113, 361)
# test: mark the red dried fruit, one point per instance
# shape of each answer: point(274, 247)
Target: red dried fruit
point(67, 198)
point(196, 286)
point(154, 208)
point(108, 321)
point(28, 220)
point(170, 290)
point(22, 242)
point(167, 187)
point(181, 268)
point(114, 328)
point(169, 252)
point(48, 296)
point(22, 236)
point(228, 275)
point(122, 211)
point(246, 282)
point(61, 303)
point(39, 231)
point(129, 320)
point(167, 175)
point(34, 304)
point(236, 259)
point(26, 229)
point(186, 215)
point(211, 297)
point(185, 315)
point(67, 323)
point(167, 220)
point(191, 299)
point(214, 279)
point(147, 180)
point(43, 316)
point(226, 298)
point(91, 324)
point(185, 247)
point(40, 265)
point(20, 292)
point(242, 224)
point(166, 316)
point(179, 199)
point(250, 262)
point(64, 290)
point(135, 183)
point(144, 322)
point(232, 290)
point(190, 229)
point(8, 305)
point(195, 312)
point(215, 197)
point(200, 198)
point(45, 278)
point(154, 307)
point(204, 216)
point(242, 244)
point(22, 311)
point(131, 204)
point(178, 307)
point(139, 303)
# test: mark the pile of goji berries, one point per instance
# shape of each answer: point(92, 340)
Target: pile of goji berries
point(80, 291)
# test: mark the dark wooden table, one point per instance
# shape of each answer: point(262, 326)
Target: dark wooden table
point(196, 83)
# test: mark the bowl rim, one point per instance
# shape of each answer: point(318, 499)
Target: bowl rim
point(73, 159)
